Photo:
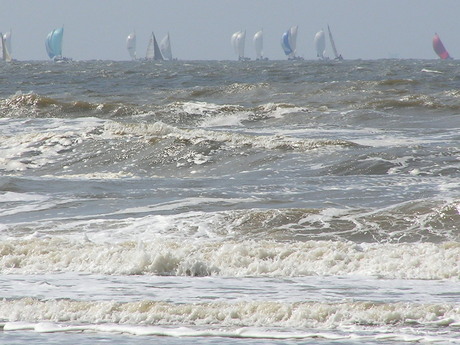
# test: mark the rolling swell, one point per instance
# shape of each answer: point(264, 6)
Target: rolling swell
point(95, 144)
point(32, 105)
point(417, 221)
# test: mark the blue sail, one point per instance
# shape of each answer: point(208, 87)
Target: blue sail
point(53, 43)
point(285, 43)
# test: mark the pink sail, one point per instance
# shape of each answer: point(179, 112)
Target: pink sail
point(439, 48)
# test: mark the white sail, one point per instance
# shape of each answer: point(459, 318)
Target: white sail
point(259, 44)
point(320, 44)
point(293, 38)
point(238, 41)
point(153, 50)
point(334, 49)
point(331, 39)
point(2, 46)
point(131, 45)
point(6, 56)
point(233, 41)
point(6, 47)
point(165, 47)
point(149, 54)
point(241, 43)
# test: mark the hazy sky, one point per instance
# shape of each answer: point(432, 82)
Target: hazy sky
point(201, 29)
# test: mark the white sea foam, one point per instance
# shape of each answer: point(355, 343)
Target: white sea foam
point(268, 336)
point(232, 139)
point(43, 316)
point(341, 334)
point(27, 147)
point(243, 213)
point(167, 256)
point(204, 108)
point(426, 70)
point(195, 217)
point(21, 197)
point(183, 290)
point(28, 207)
point(226, 120)
point(93, 176)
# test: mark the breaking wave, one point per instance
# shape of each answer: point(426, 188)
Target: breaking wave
point(229, 258)
point(304, 315)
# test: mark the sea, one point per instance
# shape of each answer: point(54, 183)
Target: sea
point(227, 202)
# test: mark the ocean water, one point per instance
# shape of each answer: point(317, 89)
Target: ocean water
point(202, 202)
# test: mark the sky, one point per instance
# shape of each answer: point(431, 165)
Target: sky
point(201, 29)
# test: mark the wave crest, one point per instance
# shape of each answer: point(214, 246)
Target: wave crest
point(303, 315)
point(35, 105)
point(236, 259)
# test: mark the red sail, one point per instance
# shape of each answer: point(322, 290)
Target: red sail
point(439, 48)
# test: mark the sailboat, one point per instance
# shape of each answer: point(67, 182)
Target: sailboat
point(131, 45)
point(238, 42)
point(165, 47)
point(259, 45)
point(153, 50)
point(234, 42)
point(289, 43)
point(334, 49)
point(439, 48)
point(320, 44)
point(53, 44)
point(6, 46)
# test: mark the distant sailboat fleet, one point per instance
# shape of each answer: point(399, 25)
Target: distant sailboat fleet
point(288, 44)
point(155, 51)
point(162, 50)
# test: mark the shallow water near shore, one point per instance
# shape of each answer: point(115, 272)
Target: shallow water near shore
point(241, 202)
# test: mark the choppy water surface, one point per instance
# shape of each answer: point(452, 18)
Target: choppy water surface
point(244, 202)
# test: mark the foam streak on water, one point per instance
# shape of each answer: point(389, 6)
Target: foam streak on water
point(253, 202)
